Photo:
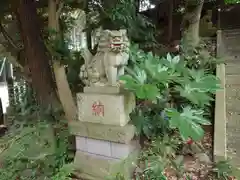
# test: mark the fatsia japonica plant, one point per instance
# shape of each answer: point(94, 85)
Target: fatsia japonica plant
point(171, 95)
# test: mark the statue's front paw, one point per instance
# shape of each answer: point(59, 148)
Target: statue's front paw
point(117, 84)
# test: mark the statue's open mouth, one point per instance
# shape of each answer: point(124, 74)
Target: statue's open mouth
point(116, 44)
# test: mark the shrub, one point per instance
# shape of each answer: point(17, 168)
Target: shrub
point(174, 96)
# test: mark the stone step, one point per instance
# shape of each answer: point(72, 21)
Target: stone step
point(233, 106)
point(233, 134)
point(232, 67)
point(233, 61)
point(231, 58)
point(231, 49)
point(233, 139)
point(235, 159)
point(231, 38)
point(229, 33)
point(233, 79)
point(234, 54)
point(233, 119)
point(232, 92)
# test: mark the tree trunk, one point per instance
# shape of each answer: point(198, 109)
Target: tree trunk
point(170, 21)
point(63, 89)
point(191, 22)
point(35, 51)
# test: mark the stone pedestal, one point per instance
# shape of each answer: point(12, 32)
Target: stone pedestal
point(105, 141)
point(109, 109)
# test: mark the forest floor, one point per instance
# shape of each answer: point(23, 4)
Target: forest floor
point(198, 166)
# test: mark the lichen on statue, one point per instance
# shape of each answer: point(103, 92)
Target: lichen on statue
point(104, 68)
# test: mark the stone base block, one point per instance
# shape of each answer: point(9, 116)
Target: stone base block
point(110, 109)
point(87, 176)
point(103, 132)
point(96, 167)
point(104, 90)
point(106, 148)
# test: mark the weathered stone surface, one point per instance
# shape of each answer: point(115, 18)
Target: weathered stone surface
point(106, 109)
point(204, 158)
point(104, 132)
point(106, 148)
point(107, 65)
point(220, 116)
point(232, 68)
point(233, 92)
point(86, 176)
point(233, 119)
point(233, 79)
point(229, 47)
point(100, 167)
point(233, 104)
point(103, 90)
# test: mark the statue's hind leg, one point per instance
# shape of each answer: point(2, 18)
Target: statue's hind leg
point(111, 73)
point(120, 71)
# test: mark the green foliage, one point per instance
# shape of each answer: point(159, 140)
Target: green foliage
point(36, 146)
point(73, 68)
point(123, 14)
point(154, 160)
point(30, 151)
point(63, 173)
point(159, 156)
point(165, 80)
point(222, 170)
point(231, 1)
point(58, 46)
point(202, 56)
point(188, 122)
point(149, 122)
point(173, 94)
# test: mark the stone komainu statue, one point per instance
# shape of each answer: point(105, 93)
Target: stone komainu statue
point(104, 68)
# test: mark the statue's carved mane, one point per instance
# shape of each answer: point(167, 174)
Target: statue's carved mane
point(106, 39)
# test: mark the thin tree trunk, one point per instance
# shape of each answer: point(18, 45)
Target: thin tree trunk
point(63, 89)
point(191, 22)
point(89, 31)
point(35, 52)
point(170, 20)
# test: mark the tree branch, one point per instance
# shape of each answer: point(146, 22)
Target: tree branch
point(60, 7)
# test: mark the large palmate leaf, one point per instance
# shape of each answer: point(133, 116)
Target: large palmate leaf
point(204, 82)
point(142, 91)
point(161, 70)
point(138, 74)
point(188, 122)
point(130, 83)
point(151, 76)
point(195, 95)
